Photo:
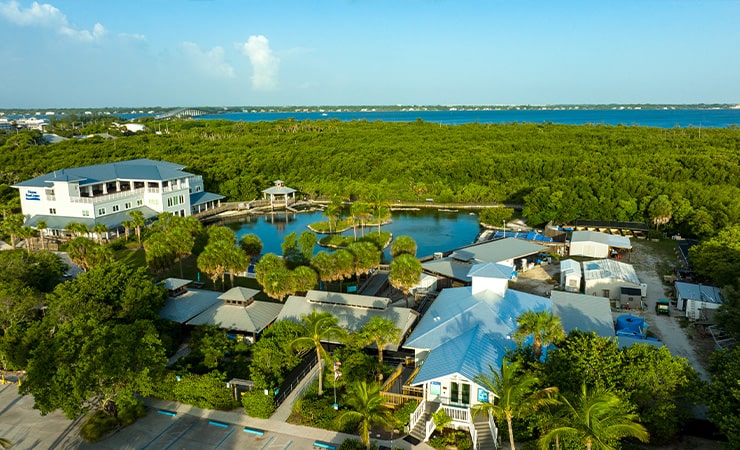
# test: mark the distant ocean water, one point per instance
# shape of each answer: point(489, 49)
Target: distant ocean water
point(661, 118)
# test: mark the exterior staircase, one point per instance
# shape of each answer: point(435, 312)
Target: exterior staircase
point(485, 439)
point(420, 428)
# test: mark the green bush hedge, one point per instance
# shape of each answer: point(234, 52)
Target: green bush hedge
point(257, 404)
point(207, 391)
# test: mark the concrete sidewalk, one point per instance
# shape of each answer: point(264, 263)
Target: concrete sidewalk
point(272, 425)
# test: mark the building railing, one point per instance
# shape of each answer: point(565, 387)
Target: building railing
point(413, 391)
point(418, 413)
point(431, 426)
point(473, 432)
point(107, 197)
point(493, 427)
point(394, 399)
point(458, 414)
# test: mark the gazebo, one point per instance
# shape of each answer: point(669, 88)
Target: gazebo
point(278, 192)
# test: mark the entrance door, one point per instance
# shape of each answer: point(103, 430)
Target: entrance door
point(459, 393)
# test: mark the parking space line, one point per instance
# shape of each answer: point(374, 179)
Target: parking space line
point(161, 433)
point(288, 445)
point(267, 443)
point(179, 436)
point(224, 439)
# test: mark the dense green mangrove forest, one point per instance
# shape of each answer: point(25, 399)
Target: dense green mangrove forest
point(684, 180)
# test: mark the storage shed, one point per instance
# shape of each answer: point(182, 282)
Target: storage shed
point(694, 299)
point(570, 275)
point(594, 244)
point(606, 277)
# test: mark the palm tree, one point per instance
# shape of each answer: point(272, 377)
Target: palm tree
point(367, 257)
point(366, 408)
point(381, 332)
point(516, 395)
point(26, 233)
point(333, 211)
point(252, 244)
point(41, 226)
point(544, 326)
point(345, 265)
point(325, 265)
point(303, 279)
point(382, 212)
point(181, 242)
point(11, 225)
point(403, 244)
point(236, 261)
point(319, 327)
point(137, 221)
point(405, 273)
point(100, 229)
point(127, 225)
point(596, 419)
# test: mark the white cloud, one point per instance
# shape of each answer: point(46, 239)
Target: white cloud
point(210, 62)
point(264, 63)
point(47, 16)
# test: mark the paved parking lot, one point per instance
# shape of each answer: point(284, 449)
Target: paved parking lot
point(167, 425)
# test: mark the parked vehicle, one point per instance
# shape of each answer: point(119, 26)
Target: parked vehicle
point(663, 306)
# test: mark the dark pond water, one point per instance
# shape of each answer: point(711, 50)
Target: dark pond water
point(432, 230)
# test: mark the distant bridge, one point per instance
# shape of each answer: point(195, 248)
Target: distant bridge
point(180, 113)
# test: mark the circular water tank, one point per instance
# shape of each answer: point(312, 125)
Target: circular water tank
point(631, 323)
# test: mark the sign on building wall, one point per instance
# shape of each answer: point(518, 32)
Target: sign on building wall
point(33, 195)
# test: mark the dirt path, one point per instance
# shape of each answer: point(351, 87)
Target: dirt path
point(666, 328)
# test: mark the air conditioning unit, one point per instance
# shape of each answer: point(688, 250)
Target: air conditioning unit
point(437, 255)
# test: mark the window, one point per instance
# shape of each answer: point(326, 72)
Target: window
point(52, 210)
point(101, 211)
point(115, 208)
point(139, 202)
point(153, 201)
point(182, 199)
point(85, 213)
point(127, 205)
point(197, 188)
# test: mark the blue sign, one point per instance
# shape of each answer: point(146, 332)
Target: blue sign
point(434, 387)
point(33, 195)
point(482, 395)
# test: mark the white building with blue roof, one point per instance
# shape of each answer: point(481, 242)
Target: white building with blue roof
point(465, 330)
point(106, 193)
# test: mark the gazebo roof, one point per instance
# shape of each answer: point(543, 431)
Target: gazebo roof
point(279, 190)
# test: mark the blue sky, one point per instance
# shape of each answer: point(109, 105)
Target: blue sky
point(105, 53)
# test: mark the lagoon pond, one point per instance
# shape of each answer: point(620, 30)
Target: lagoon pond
point(433, 230)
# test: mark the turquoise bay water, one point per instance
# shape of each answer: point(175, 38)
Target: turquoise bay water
point(432, 230)
point(661, 118)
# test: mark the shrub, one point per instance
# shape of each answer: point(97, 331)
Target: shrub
point(316, 411)
point(207, 391)
point(257, 404)
point(356, 444)
point(403, 413)
point(97, 425)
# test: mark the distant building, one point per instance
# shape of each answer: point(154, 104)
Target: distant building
point(570, 275)
point(594, 244)
point(106, 193)
point(606, 277)
point(697, 299)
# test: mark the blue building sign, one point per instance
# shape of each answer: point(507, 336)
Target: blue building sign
point(33, 195)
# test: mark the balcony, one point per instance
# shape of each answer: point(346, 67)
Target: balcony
point(101, 198)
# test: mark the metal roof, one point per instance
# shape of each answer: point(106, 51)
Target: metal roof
point(611, 240)
point(175, 283)
point(609, 268)
point(200, 198)
point(338, 298)
point(252, 318)
point(188, 305)
point(135, 169)
point(467, 355)
point(699, 292)
point(583, 312)
point(279, 190)
point(457, 311)
point(570, 266)
point(350, 317)
point(492, 270)
point(239, 293)
point(502, 250)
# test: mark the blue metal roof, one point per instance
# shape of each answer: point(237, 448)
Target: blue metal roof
point(465, 332)
point(135, 169)
point(200, 198)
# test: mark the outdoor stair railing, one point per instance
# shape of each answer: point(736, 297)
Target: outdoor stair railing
point(418, 413)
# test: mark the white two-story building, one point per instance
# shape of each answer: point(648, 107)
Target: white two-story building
point(107, 193)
